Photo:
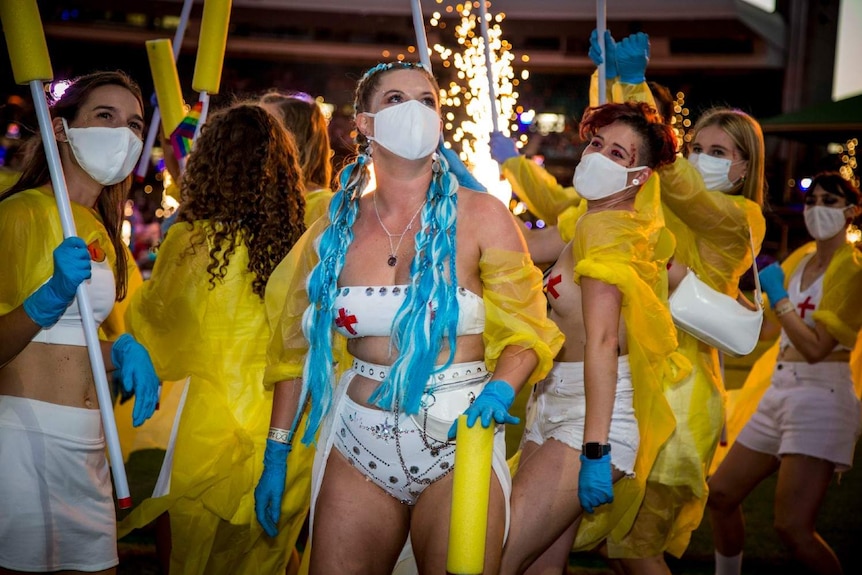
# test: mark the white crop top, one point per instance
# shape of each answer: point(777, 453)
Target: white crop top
point(804, 302)
point(370, 311)
point(69, 330)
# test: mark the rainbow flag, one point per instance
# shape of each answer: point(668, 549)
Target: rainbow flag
point(183, 135)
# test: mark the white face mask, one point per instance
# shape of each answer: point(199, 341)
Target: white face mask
point(410, 129)
point(108, 154)
point(823, 222)
point(714, 170)
point(598, 176)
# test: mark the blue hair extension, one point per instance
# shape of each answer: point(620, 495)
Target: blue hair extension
point(430, 310)
point(322, 286)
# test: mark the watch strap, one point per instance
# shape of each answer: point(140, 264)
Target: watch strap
point(593, 450)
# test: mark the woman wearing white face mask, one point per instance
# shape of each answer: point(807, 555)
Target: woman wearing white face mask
point(807, 422)
point(382, 270)
point(55, 489)
point(586, 426)
point(712, 205)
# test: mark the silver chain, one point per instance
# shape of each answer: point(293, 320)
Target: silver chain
point(393, 252)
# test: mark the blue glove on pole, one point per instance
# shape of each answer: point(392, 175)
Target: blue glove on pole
point(459, 170)
point(137, 375)
point(502, 147)
point(71, 267)
point(492, 406)
point(772, 282)
point(270, 488)
point(632, 58)
point(595, 53)
point(595, 483)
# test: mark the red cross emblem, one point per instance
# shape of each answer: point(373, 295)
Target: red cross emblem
point(553, 281)
point(804, 306)
point(345, 321)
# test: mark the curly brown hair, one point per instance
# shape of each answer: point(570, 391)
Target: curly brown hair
point(244, 177)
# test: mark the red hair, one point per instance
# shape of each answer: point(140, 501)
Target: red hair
point(658, 146)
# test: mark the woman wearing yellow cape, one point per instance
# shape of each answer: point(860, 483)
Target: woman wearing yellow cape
point(203, 314)
point(714, 225)
point(807, 419)
point(596, 423)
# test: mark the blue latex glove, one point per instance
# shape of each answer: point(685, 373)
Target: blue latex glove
point(137, 375)
point(270, 488)
point(595, 52)
point(502, 147)
point(71, 267)
point(492, 406)
point(459, 170)
point(772, 282)
point(632, 58)
point(595, 483)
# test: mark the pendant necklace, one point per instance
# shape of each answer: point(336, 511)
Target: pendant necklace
point(393, 251)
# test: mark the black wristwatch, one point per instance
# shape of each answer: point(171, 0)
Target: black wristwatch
point(595, 450)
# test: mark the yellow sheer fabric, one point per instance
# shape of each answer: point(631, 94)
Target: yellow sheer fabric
point(839, 310)
point(316, 204)
point(712, 233)
point(30, 231)
point(216, 335)
point(630, 249)
point(538, 189)
point(516, 310)
point(712, 228)
point(617, 91)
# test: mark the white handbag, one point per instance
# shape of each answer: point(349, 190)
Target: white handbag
point(716, 318)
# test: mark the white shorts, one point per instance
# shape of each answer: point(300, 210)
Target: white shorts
point(557, 409)
point(334, 434)
point(391, 451)
point(56, 503)
point(807, 410)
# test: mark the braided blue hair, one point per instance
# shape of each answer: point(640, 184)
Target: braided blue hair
point(429, 312)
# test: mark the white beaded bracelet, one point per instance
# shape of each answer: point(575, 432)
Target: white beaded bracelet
point(280, 435)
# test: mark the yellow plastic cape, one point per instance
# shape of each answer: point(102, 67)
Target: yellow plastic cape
point(316, 205)
point(30, 231)
point(712, 239)
point(630, 249)
point(538, 189)
point(712, 228)
point(217, 338)
point(617, 91)
point(839, 310)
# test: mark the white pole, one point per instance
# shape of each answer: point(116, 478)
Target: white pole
point(489, 68)
point(601, 26)
point(204, 99)
point(97, 363)
point(419, 29)
point(144, 164)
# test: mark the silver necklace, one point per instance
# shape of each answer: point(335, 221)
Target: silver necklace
point(393, 251)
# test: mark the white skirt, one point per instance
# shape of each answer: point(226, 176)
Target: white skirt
point(56, 499)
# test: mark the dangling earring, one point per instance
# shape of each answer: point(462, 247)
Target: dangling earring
point(435, 163)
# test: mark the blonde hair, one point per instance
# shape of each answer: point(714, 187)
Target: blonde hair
point(747, 135)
